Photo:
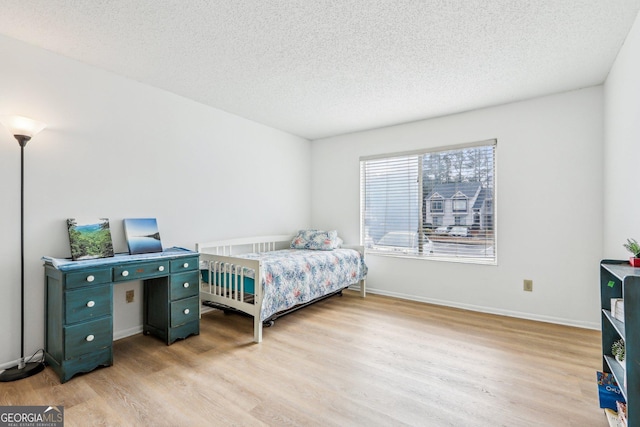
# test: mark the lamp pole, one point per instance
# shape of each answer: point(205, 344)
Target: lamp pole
point(22, 140)
point(22, 129)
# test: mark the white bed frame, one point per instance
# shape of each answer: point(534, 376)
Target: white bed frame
point(228, 289)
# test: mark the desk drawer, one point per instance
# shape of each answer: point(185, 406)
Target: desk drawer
point(184, 311)
point(85, 278)
point(88, 303)
point(88, 337)
point(184, 264)
point(184, 285)
point(140, 271)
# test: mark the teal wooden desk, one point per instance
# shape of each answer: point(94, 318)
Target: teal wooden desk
point(79, 304)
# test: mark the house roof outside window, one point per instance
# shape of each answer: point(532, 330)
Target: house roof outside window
point(449, 190)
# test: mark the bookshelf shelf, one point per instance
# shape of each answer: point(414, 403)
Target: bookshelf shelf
point(617, 324)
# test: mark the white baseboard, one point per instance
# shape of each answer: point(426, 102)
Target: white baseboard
point(117, 335)
point(38, 356)
point(489, 310)
point(9, 364)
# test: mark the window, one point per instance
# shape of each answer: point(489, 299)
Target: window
point(460, 204)
point(423, 195)
point(437, 204)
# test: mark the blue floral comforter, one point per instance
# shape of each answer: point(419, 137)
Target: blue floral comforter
point(295, 276)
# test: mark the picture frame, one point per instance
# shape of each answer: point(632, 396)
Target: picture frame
point(142, 235)
point(89, 238)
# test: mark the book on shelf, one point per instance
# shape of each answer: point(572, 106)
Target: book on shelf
point(613, 419)
point(617, 308)
point(608, 390)
point(622, 413)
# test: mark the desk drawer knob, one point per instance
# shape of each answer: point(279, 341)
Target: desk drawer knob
point(90, 278)
point(161, 268)
point(125, 273)
point(186, 311)
point(186, 284)
point(90, 338)
point(91, 304)
point(185, 265)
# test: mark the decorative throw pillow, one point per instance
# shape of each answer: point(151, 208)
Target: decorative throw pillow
point(315, 240)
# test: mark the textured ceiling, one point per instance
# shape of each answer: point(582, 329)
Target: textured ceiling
point(318, 68)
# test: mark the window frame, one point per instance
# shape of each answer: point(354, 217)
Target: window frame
point(464, 199)
point(437, 199)
point(428, 216)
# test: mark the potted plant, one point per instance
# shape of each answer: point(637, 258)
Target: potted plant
point(617, 349)
point(634, 247)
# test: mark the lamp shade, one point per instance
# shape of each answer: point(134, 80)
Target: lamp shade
point(24, 126)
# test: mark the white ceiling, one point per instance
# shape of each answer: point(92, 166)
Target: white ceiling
point(318, 68)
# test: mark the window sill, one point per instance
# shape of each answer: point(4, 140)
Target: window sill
point(442, 258)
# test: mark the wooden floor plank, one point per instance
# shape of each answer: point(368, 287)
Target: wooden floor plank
point(346, 361)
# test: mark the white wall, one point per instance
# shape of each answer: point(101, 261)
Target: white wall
point(116, 148)
point(622, 148)
point(549, 207)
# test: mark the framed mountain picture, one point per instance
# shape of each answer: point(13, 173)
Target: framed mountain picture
point(142, 235)
point(89, 238)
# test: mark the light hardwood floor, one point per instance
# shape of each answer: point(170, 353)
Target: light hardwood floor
point(345, 361)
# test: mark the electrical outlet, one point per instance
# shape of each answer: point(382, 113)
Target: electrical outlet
point(129, 296)
point(528, 285)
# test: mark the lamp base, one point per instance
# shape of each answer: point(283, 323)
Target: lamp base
point(14, 374)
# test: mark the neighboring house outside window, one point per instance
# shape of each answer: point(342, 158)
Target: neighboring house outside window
point(458, 196)
point(488, 214)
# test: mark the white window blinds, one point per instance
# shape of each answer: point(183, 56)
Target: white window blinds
point(433, 204)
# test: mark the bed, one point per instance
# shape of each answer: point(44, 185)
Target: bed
point(292, 272)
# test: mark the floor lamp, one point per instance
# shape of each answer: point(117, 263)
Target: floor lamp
point(23, 129)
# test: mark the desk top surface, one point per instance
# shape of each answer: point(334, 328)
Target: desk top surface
point(66, 264)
